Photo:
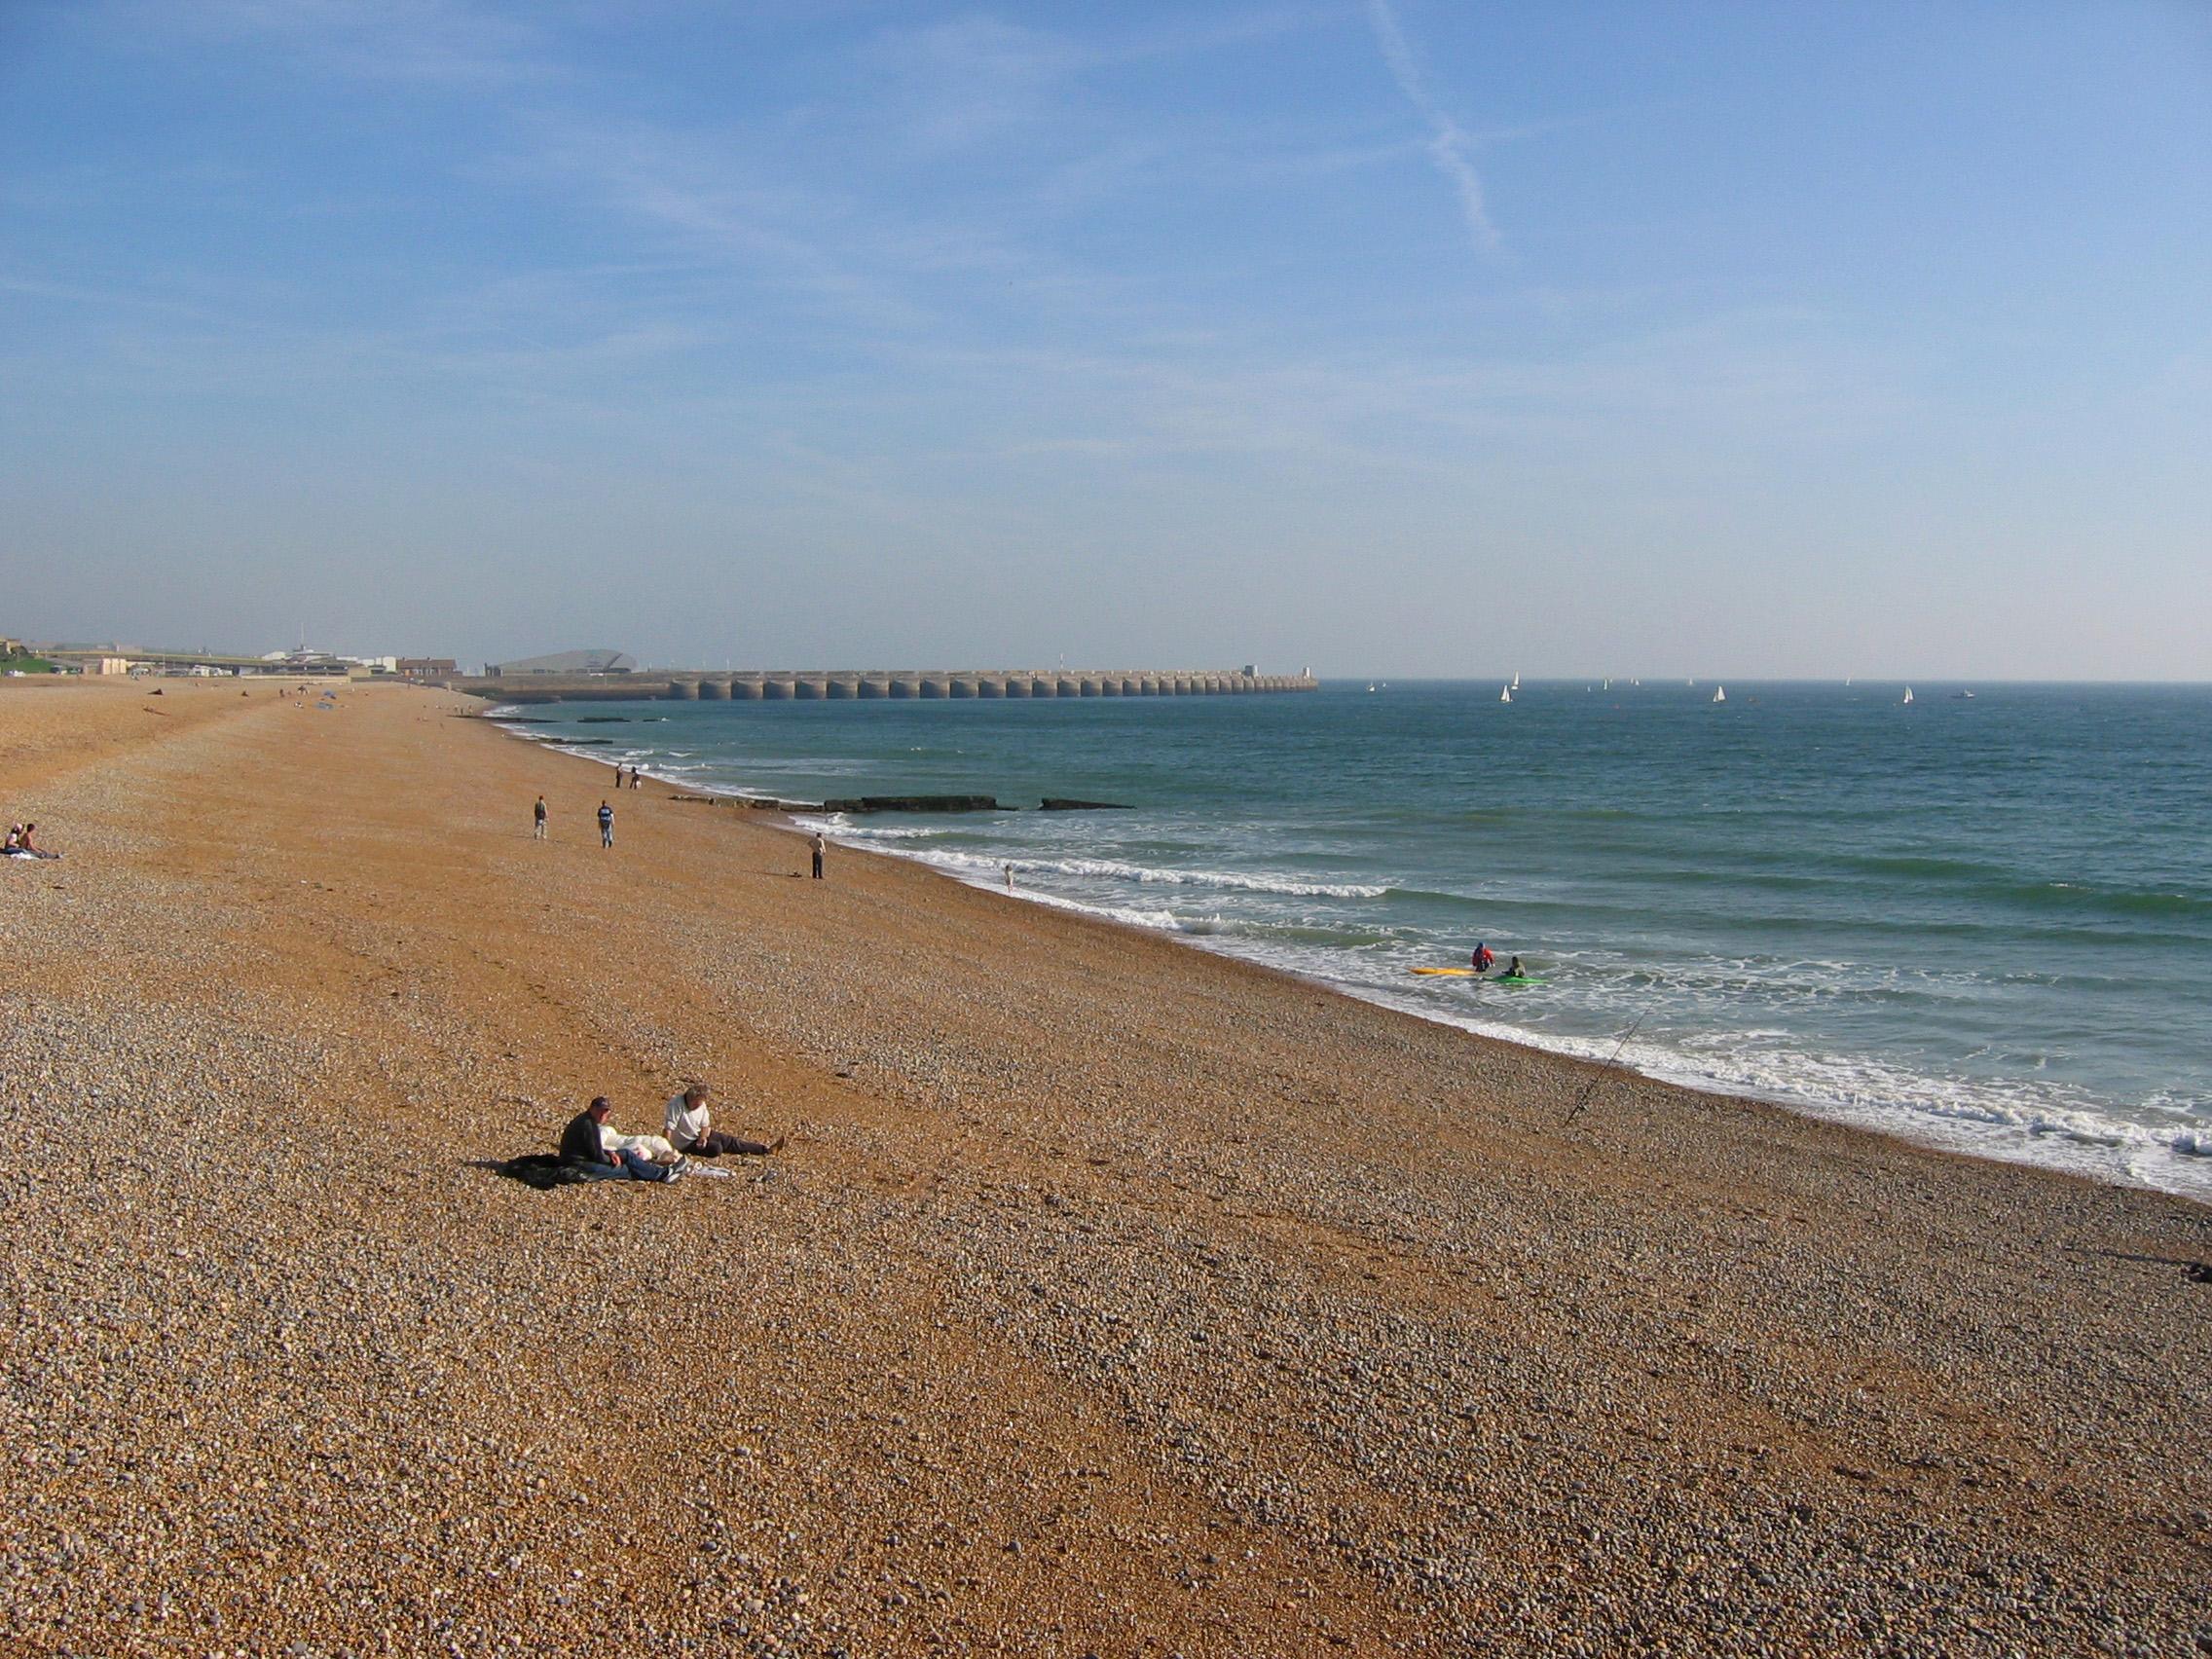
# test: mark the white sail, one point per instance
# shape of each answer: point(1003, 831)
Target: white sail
point(1505, 695)
point(1908, 693)
point(1720, 693)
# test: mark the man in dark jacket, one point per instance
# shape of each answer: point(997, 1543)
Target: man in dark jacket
point(582, 1149)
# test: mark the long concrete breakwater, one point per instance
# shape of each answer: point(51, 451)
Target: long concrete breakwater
point(866, 684)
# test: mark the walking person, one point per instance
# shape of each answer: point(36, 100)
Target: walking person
point(633, 777)
point(818, 844)
point(538, 820)
point(605, 825)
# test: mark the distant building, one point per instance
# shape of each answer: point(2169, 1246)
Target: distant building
point(427, 668)
point(565, 662)
point(13, 648)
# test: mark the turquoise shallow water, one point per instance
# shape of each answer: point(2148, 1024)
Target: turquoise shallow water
point(1981, 922)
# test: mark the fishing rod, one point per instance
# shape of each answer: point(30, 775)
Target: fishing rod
point(1591, 1087)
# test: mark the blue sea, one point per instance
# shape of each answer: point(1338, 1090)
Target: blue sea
point(1982, 922)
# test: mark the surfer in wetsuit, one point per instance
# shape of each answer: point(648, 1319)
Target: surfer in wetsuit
point(1513, 968)
point(1484, 956)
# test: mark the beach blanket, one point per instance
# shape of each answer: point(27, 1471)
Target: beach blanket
point(544, 1171)
point(541, 1171)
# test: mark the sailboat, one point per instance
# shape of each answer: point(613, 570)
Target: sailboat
point(1505, 695)
point(1371, 686)
point(1908, 693)
point(1720, 693)
point(1515, 679)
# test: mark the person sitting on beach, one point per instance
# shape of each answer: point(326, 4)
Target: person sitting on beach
point(691, 1130)
point(583, 1147)
point(1483, 958)
point(20, 845)
point(15, 839)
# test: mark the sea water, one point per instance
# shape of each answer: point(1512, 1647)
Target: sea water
point(1982, 922)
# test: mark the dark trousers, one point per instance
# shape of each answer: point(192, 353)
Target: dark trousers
point(633, 1166)
point(818, 867)
point(714, 1143)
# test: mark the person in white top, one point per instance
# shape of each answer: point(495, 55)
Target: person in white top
point(691, 1130)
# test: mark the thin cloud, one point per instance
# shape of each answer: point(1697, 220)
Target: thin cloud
point(450, 43)
point(1448, 143)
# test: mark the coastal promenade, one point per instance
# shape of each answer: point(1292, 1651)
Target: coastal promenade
point(1110, 1296)
point(875, 683)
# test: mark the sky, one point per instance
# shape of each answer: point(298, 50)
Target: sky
point(1411, 337)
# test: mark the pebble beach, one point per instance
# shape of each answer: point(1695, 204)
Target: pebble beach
point(1107, 1298)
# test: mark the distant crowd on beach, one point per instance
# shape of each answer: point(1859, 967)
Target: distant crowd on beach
point(542, 817)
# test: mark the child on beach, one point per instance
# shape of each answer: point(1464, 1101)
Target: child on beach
point(537, 830)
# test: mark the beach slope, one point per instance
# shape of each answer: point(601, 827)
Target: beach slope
point(1108, 1297)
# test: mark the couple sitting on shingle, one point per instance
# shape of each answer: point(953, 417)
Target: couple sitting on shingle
point(602, 1154)
point(22, 843)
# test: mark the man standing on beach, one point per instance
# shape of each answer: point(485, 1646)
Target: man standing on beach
point(817, 845)
point(633, 777)
point(538, 816)
point(605, 825)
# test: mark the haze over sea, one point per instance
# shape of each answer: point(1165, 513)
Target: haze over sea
point(1980, 922)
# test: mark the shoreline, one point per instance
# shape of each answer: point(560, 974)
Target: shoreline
point(1977, 1133)
point(1109, 1295)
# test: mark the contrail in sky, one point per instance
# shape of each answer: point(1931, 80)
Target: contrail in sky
point(1448, 142)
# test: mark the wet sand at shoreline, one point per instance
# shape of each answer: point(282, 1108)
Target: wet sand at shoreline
point(1110, 1296)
